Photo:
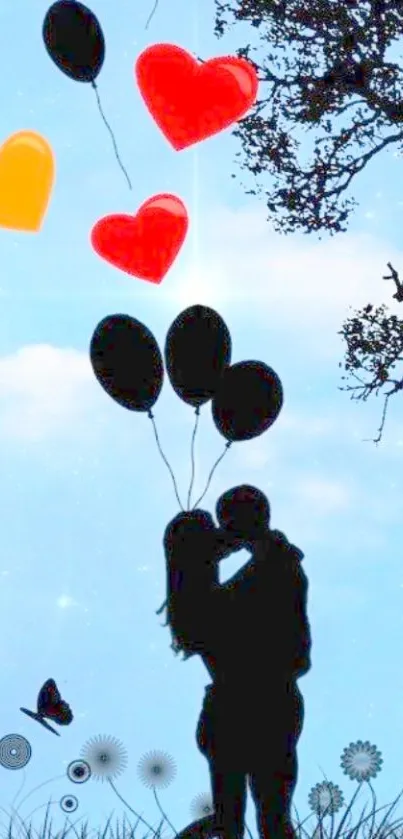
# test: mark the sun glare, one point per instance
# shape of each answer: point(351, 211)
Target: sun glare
point(197, 286)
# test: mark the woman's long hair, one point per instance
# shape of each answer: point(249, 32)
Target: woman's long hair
point(191, 554)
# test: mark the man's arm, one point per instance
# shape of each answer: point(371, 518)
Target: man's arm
point(300, 635)
point(303, 639)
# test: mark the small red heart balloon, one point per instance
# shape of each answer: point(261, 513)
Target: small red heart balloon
point(190, 101)
point(144, 245)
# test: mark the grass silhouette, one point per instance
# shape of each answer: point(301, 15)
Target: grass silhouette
point(105, 758)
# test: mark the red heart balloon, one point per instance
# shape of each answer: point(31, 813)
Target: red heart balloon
point(191, 101)
point(144, 245)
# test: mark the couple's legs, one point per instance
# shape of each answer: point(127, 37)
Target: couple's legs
point(229, 800)
point(272, 796)
point(272, 782)
point(228, 786)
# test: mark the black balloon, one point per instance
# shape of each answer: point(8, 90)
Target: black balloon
point(127, 362)
point(248, 401)
point(74, 40)
point(197, 351)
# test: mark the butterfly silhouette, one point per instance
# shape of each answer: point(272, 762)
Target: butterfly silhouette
point(51, 705)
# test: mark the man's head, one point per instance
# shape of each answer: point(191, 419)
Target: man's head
point(244, 511)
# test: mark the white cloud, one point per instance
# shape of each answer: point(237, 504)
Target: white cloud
point(65, 602)
point(325, 496)
point(268, 451)
point(256, 454)
point(293, 281)
point(43, 390)
point(309, 425)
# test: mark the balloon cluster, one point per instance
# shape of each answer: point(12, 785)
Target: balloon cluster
point(246, 397)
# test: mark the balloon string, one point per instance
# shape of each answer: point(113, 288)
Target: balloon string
point(112, 135)
point(192, 452)
point(151, 416)
point(154, 9)
point(212, 473)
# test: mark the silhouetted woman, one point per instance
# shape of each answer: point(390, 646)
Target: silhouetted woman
point(193, 548)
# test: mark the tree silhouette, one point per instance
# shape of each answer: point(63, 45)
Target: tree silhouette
point(374, 350)
point(336, 71)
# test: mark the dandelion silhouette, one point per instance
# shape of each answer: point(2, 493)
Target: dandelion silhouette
point(69, 803)
point(203, 825)
point(361, 761)
point(202, 805)
point(157, 769)
point(325, 798)
point(79, 771)
point(106, 757)
point(15, 751)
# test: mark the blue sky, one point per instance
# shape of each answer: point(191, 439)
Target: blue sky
point(85, 496)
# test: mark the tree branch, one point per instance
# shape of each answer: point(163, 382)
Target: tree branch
point(349, 42)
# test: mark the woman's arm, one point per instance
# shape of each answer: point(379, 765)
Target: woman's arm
point(193, 590)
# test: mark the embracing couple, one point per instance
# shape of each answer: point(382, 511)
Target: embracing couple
point(253, 636)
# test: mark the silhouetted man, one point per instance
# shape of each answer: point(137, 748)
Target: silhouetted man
point(253, 713)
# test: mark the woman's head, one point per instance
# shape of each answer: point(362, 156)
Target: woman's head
point(194, 528)
point(244, 511)
point(195, 533)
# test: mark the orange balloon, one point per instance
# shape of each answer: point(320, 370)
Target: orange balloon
point(26, 178)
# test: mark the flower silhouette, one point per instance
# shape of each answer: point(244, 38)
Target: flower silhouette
point(202, 805)
point(106, 757)
point(361, 761)
point(325, 799)
point(79, 771)
point(15, 751)
point(69, 803)
point(156, 769)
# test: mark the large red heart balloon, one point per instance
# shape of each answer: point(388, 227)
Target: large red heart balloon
point(144, 245)
point(190, 101)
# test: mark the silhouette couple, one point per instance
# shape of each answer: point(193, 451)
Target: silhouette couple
point(253, 636)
